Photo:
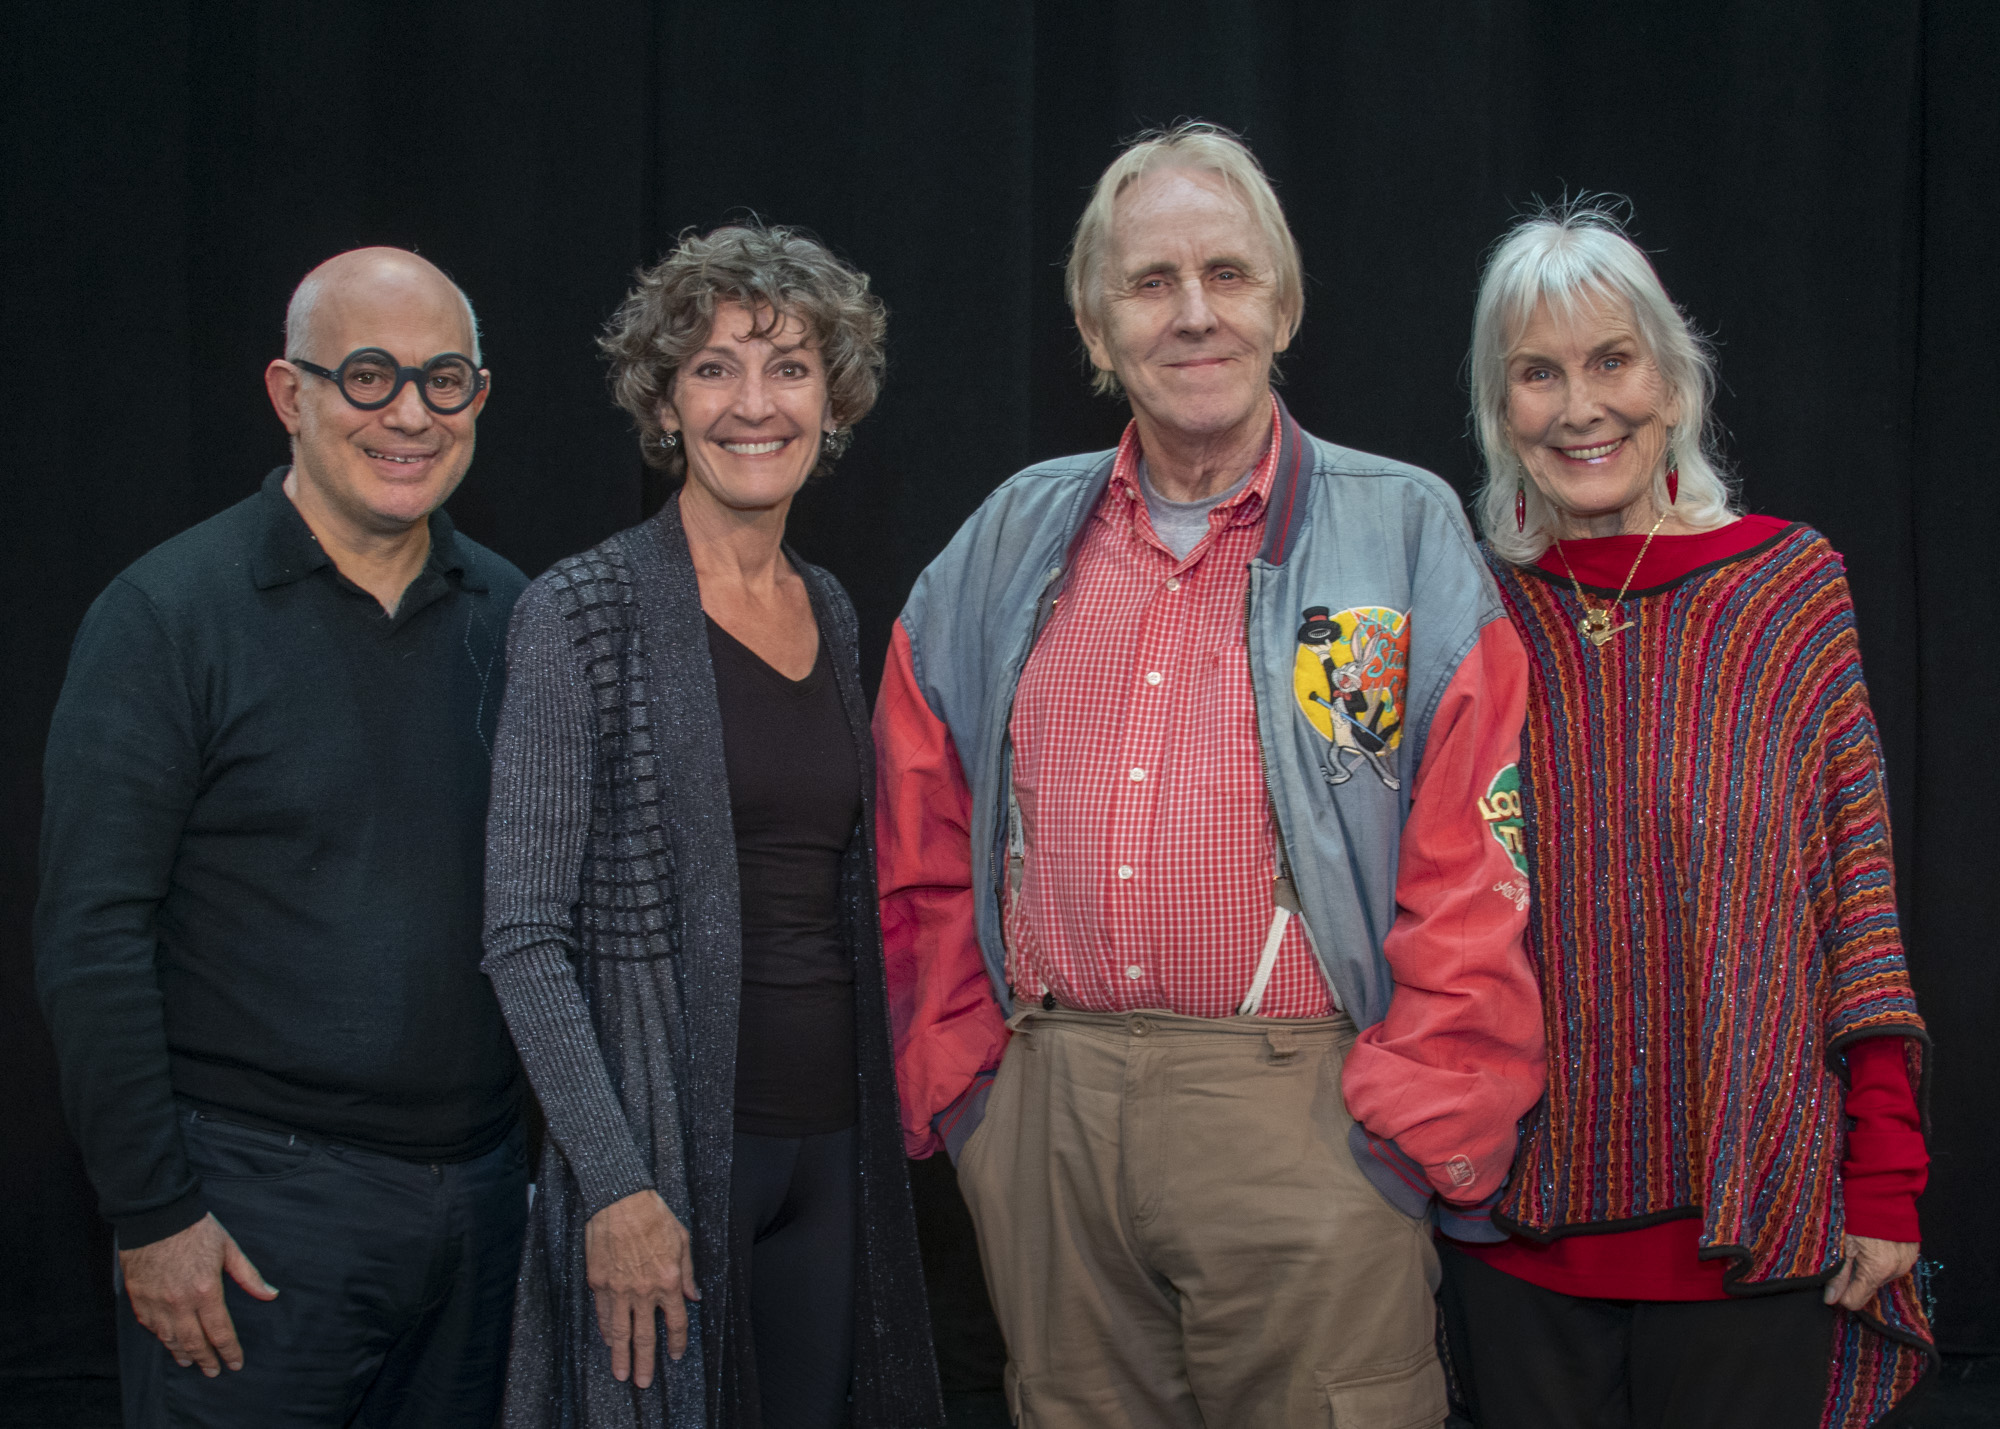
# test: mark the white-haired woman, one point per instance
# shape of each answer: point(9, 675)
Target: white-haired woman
point(1713, 1218)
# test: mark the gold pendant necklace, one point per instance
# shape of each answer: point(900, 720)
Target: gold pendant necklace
point(1596, 626)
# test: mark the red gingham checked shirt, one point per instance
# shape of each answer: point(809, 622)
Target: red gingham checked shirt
point(1149, 855)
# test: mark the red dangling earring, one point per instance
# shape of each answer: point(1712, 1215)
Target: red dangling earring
point(1520, 506)
point(1673, 478)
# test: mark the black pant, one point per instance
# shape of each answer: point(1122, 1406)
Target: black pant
point(792, 1210)
point(395, 1288)
point(1529, 1358)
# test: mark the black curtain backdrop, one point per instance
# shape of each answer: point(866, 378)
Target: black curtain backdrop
point(1815, 179)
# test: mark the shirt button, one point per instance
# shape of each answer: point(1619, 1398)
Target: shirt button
point(1135, 972)
point(1124, 870)
point(1153, 677)
point(1173, 582)
point(1137, 775)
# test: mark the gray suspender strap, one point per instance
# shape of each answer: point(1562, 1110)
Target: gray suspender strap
point(1017, 847)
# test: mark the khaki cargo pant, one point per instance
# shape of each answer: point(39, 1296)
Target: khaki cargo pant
point(1175, 1233)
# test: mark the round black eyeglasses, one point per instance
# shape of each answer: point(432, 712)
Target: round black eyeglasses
point(371, 379)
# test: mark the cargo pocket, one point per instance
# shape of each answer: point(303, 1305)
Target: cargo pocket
point(1020, 1410)
point(1409, 1397)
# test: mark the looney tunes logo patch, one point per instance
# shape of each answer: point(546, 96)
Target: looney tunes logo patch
point(1350, 677)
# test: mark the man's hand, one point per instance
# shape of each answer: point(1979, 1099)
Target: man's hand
point(638, 1259)
point(176, 1290)
point(1870, 1265)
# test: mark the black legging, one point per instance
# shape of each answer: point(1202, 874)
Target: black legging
point(792, 1221)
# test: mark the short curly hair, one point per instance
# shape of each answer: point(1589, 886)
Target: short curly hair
point(779, 272)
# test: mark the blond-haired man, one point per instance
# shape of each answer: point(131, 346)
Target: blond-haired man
point(1252, 1001)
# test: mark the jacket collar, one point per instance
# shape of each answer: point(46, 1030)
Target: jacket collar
point(1284, 507)
point(1291, 485)
point(1246, 504)
point(1285, 504)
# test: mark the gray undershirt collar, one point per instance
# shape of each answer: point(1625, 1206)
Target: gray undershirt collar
point(1180, 525)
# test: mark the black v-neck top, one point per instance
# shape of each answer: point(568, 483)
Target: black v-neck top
point(795, 798)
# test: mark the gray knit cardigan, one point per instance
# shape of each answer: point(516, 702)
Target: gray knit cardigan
point(612, 939)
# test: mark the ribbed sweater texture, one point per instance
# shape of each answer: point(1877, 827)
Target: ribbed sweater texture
point(1714, 921)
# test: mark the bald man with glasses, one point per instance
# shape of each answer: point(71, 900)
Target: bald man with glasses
point(258, 938)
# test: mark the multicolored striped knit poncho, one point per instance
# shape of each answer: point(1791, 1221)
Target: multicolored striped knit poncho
point(1706, 832)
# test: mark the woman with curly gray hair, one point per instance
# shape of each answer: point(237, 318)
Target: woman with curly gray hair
point(681, 918)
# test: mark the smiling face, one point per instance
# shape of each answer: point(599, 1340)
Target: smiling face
point(1191, 317)
point(750, 410)
point(1588, 415)
point(377, 472)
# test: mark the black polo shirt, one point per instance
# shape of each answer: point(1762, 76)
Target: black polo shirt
point(263, 855)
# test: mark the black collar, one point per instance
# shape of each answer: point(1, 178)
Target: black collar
point(287, 551)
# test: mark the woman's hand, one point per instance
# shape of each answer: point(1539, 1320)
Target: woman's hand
point(1870, 1265)
point(638, 1259)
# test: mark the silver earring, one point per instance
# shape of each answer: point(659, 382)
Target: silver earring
point(670, 440)
point(835, 441)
